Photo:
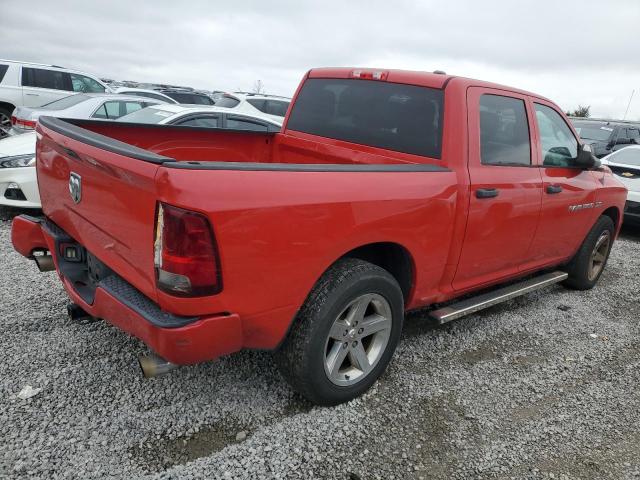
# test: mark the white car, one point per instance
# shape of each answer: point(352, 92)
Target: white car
point(35, 84)
point(255, 104)
point(625, 164)
point(18, 184)
point(143, 92)
point(103, 106)
point(203, 117)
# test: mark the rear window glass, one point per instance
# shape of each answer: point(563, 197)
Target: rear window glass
point(227, 102)
point(3, 70)
point(394, 116)
point(190, 98)
point(65, 102)
point(146, 115)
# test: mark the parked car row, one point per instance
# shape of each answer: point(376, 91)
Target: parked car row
point(29, 91)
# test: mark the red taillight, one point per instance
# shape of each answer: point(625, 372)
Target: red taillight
point(369, 75)
point(186, 257)
point(22, 123)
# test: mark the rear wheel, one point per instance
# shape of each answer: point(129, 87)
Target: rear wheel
point(588, 264)
point(5, 121)
point(345, 334)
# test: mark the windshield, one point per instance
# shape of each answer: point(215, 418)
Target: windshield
point(146, 115)
point(65, 102)
point(190, 98)
point(593, 131)
point(626, 156)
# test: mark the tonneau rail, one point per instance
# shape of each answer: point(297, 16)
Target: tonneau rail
point(101, 141)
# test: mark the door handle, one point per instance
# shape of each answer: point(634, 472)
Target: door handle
point(554, 189)
point(487, 192)
point(32, 94)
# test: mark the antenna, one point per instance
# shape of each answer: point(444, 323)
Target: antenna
point(628, 104)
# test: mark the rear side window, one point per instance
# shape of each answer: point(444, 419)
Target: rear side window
point(394, 116)
point(3, 70)
point(202, 122)
point(41, 78)
point(260, 104)
point(559, 146)
point(504, 131)
point(113, 110)
point(276, 107)
point(242, 124)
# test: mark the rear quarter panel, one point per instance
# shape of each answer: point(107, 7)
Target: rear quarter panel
point(278, 231)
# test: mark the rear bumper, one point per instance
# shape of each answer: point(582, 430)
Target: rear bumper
point(180, 340)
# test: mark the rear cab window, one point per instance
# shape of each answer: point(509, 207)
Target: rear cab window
point(393, 116)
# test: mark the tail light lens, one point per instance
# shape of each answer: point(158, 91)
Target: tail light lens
point(186, 256)
point(22, 123)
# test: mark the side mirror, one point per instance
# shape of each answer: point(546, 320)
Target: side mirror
point(585, 158)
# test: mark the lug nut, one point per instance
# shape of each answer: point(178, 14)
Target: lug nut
point(355, 343)
point(360, 330)
point(346, 332)
point(345, 344)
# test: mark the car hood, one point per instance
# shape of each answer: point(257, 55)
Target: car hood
point(22, 144)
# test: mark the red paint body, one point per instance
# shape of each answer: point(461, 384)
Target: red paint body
point(278, 231)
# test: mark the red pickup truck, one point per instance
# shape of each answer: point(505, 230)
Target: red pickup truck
point(385, 191)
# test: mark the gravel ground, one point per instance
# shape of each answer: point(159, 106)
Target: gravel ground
point(545, 386)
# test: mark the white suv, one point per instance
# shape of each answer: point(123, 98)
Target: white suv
point(273, 106)
point(33, 84)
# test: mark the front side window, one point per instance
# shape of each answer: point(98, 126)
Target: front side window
point(634, 134)
point(41, 78)
point(559, 146)
point(393, 116)
point(504, 131)
point(83, 84)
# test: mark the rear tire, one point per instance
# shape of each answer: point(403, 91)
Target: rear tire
point(5, 121)
point(345, 333)
point(588, 264)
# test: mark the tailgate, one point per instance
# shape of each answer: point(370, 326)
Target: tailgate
point(102, 193)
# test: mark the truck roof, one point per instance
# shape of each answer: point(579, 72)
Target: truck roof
point(435, 79)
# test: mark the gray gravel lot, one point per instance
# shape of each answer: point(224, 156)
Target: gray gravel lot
point(545, 386)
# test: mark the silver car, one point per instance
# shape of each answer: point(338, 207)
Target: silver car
point(102, 106)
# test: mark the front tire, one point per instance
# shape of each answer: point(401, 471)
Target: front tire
point(345, 333)
point(588, 264)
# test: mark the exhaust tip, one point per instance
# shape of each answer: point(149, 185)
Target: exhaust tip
point(44, 263)
point(153, 365)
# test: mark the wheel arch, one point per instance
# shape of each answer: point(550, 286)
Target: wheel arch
point(393, 257)
point(8, 105)
point(614, 214)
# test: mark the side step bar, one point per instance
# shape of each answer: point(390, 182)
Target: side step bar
point(472, 305)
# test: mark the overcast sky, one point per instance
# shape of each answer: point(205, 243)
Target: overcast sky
point(574, 52)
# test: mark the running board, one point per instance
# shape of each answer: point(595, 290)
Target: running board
point(472, 305)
